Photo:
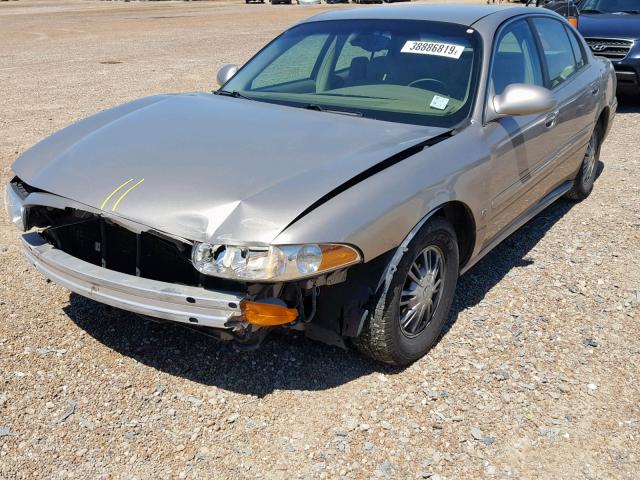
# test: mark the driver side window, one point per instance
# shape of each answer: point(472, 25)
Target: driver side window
point(515, 59)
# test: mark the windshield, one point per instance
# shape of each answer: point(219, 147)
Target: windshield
point(610, 6)
point(394, 70)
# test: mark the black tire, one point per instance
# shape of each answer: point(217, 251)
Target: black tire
point(382, 337)
point(583, 183)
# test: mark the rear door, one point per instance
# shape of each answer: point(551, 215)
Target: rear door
point(574, 87)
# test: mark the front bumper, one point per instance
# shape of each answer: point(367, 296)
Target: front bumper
point(168, 301)
point(628, 74)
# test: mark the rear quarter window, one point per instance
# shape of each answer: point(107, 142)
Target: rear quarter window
point(578, 52)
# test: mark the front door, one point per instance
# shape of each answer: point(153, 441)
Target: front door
point(518, 143)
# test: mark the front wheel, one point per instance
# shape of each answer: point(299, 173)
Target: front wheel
point(410, 313)
point(583, 183)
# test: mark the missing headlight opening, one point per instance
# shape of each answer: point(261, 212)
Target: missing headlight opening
point(101, 242)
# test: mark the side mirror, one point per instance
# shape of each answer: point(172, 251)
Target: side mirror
point(225, 73)
point(522, 99)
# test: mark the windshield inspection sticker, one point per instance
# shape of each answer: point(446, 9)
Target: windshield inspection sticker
point(433, 48)
point(439, 102)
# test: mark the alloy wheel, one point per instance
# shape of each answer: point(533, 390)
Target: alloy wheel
point(421, 291)
point(589, 163)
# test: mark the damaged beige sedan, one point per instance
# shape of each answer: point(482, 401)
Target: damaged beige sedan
point(337, 184)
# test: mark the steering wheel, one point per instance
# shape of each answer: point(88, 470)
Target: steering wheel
point(440, 86)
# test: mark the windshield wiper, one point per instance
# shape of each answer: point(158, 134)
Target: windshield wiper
point(318, 108)
point(590, 10)
point(629, 11)
point(227, 93)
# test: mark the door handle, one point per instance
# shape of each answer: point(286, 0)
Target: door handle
point(551, 120)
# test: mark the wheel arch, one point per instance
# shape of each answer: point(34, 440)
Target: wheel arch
point(350, 301)
point(459, 215)
point(461, 218)
point(602, 123)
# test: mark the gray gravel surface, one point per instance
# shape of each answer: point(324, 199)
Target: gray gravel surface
point(537, 376)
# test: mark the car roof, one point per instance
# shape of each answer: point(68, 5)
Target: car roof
point(461, 14)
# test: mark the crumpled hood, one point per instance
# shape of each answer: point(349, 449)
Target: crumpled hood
point(610, 25)
point(207, 167)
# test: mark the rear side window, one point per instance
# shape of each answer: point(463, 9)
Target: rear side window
point(515, 59)
point(557, 50)
point(578, 53)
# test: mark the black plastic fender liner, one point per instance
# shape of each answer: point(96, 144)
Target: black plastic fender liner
point(343, 307)
point(389, 265)
point(379, 275)
point(369, 172)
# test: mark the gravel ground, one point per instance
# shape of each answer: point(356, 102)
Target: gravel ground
point(536, 378)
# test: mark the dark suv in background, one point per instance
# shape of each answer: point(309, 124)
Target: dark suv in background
point(612, 30)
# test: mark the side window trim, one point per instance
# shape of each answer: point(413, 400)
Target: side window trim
point(540, 53)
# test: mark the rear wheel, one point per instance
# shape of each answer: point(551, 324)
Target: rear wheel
point(411, 312)
point(583, 183)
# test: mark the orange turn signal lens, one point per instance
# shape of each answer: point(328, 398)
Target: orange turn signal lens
point(573, 21)
point(267, 314)
point(334, 256)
